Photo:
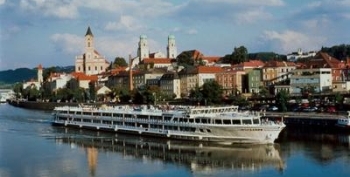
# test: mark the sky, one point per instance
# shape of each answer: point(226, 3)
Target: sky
point(51, 32)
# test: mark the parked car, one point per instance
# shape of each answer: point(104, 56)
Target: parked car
point(272, 108)
point(310, 109)
point(331, 109)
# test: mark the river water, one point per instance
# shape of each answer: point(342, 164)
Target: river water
point(31, 147)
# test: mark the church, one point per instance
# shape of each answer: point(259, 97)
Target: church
point(90, 62)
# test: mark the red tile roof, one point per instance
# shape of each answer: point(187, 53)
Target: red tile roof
point(157, 60)
point(81, 76)
point(211, 59)
point(323, 60)
point(209, 69)
point(273, 64)
point(250, 64)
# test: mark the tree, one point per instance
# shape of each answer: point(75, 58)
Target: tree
point(47, 72)
point(18, 89)
point(196, 95)
point(239, 55)
point(212, 92)
point(119, 62)
point(282, 100)
point(92, 91)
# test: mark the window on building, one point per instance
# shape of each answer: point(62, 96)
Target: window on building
point(95, 68)
point(89, 68)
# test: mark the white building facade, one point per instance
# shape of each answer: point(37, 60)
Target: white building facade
point(319, 79)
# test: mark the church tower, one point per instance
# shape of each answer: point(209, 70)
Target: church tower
point(171, 48)
point(143, 50)
point(40, 74)
point(89, 44)
point(91, 62)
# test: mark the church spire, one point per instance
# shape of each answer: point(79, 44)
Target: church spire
point(88, 32)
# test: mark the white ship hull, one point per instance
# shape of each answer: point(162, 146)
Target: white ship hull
point(261, 133)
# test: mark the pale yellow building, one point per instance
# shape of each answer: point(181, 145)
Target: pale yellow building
point(91, 62)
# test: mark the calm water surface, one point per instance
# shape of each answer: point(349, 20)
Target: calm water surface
point(30, 146)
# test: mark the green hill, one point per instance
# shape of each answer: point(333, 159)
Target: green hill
point(17, 75)
point(25, 74)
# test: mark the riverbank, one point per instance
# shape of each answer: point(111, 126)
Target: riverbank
point(47, 106)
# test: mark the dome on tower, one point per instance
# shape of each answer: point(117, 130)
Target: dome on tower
point(171, 36)
point(143, 36)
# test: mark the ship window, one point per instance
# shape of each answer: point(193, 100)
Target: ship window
point(247, 121)
point(106, 122)
point(204, 121)
point(175, 119)
point(107, 114)
point(96, 121)
point(167, 118)
point(198, 120)
point(208, 130)
point(201, 130)
point(236, 122)
point(227, 121)
point(255, 121)
point(78, 120)
point(191, 120)
point(143, 116)
point(218, 121)
point(96, 113)
point(86, 120)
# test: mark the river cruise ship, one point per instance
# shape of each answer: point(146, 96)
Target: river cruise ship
point(215, 124)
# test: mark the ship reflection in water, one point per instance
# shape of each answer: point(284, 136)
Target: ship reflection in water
point(199, 157)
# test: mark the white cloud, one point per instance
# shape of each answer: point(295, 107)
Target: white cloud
point(2, 2)
point(252, 15)
point(125, 23)
point(60, 9)
point(68, 43)
point(192, 31)
point(288, 41)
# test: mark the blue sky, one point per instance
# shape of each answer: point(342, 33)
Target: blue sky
point(51, 32)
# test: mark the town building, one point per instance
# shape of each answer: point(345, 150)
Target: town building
point(35, 83)
point(143, 52)
point(91, 62)
point(317, 79)
point(294, 56)
point(230, 81)
point(170, 85)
